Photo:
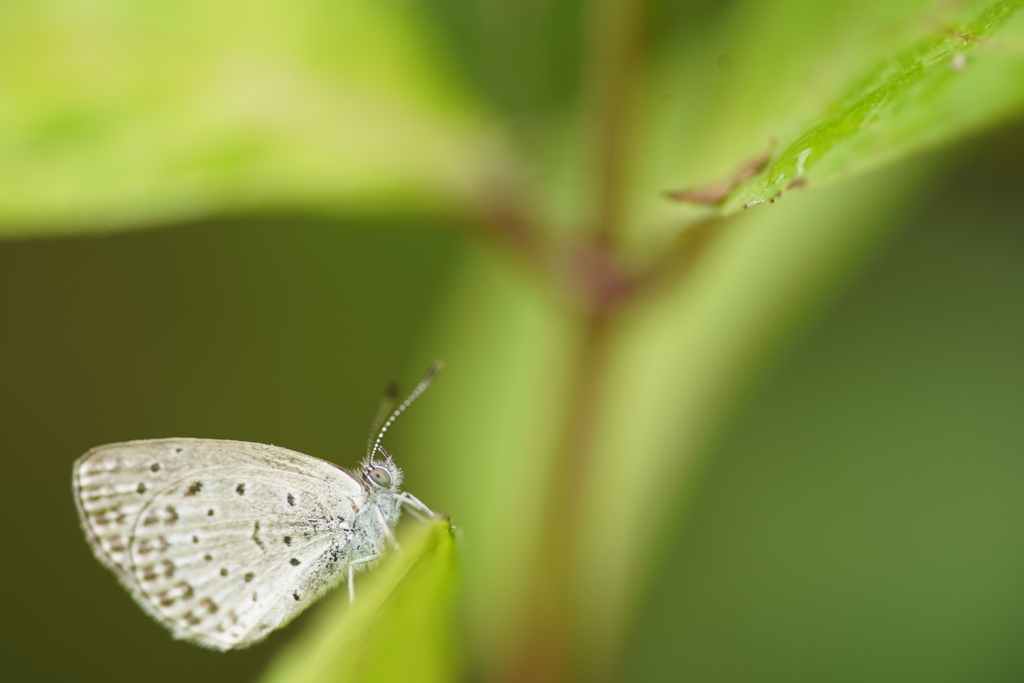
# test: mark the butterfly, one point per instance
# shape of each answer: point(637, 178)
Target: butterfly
point(226, 541)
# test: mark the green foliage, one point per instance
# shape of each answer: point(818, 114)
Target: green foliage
point(860, 83)
point(918, 97)
point(596, 331)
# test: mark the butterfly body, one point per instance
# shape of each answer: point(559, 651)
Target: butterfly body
point(225, 541)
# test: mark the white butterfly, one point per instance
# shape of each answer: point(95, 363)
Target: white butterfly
point(225, 541)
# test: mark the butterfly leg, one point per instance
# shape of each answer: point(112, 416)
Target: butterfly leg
point(352, 574)
point(415, 505)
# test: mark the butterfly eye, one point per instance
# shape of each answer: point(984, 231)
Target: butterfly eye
point(381, 477)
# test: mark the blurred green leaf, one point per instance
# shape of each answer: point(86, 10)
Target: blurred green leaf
point(401, 627)
point(123, 113)
point(680, 362)
point(489, 432)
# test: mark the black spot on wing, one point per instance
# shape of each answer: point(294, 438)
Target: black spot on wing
point(195, 488)
point(255, 536)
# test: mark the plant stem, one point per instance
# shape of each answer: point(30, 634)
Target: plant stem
point(545, 651)
point(613, 60)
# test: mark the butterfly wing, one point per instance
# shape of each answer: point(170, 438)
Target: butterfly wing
point(222, 541)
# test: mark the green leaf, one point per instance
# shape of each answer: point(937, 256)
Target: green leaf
point(954, 81)
point(122, 114)
point(401, 627)
point(840, 87)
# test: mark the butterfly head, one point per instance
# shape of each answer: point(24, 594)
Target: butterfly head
point(381, 473)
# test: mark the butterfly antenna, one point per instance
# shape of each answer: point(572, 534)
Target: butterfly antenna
point(387, 402)
point(420, 388)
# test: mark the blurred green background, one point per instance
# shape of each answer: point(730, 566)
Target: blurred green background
point(862, 518)
point(680, 442)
